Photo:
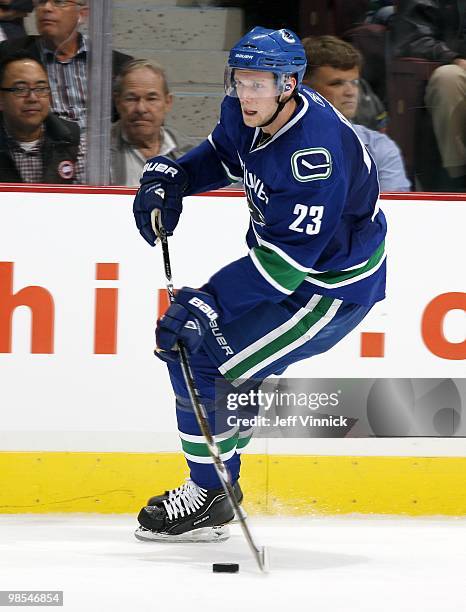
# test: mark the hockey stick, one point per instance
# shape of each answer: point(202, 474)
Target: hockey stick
point(259, 552)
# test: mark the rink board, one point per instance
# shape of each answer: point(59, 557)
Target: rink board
point(86, 412)
point(272, 484)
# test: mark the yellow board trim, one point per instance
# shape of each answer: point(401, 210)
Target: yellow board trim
point(273, 484)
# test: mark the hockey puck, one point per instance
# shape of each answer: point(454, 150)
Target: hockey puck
point(225, 568)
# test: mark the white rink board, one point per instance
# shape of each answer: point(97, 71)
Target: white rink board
point(124, 400)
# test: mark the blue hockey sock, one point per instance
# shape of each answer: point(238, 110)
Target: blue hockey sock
point(195, 449)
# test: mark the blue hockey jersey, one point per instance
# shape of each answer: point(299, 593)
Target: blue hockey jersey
point(312, 192)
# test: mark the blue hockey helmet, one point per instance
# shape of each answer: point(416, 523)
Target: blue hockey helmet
point(276, 51)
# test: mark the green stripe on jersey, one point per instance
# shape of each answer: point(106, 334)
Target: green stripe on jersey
point(294, 333)
point(280, 270)
point(201, 450)
point(333, 277)
point(242, 442)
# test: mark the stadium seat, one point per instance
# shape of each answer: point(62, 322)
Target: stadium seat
point(316, 18)
point(410, 124)
point(348, 15)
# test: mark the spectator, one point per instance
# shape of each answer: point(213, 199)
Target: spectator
point(143, 100)
point(371, 112)
point(333, 71)
point(435, 30)
point(64, 51)
point(35, 145)
point(380, 12)
point(12, 13)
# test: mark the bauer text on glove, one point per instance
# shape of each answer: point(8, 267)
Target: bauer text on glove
point(162, 186)
point(187, 319)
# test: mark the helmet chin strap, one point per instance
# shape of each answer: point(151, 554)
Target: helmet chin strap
point(280, 107)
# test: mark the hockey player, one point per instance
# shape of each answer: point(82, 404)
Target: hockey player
point(315, 266)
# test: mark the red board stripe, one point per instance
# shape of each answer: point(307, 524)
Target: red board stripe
point(225, 193)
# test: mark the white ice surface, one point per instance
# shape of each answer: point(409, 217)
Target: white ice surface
point(349, 564)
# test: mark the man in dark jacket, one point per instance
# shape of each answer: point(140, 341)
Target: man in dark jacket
point(35, 145)
point(436, 30)
point(12, 13)
point(64, 51)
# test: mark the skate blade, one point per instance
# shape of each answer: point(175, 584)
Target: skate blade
point(206, 534)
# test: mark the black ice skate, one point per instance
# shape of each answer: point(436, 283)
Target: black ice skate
point(190, 514)
point(158, 499)
point(170, 494)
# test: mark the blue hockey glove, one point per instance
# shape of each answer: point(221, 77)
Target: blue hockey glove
point(162, 186)
point(187, 319)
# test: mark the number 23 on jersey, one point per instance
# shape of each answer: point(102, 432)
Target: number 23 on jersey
point(308, 219)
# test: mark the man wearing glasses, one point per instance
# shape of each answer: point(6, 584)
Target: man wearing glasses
point(36, 146)
point(64, 51)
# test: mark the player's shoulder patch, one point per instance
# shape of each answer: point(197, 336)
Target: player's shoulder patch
point(313, 164)
point(313, 96)
point(316, 98)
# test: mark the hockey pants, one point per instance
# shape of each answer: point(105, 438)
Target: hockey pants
point(241, 354)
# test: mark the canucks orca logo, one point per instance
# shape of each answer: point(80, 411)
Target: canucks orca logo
point(288, 37)
point(317, 99)
point(311, 164)
point(256, 215)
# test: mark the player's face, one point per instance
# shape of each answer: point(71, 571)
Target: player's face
point(142, 105)
point(340, 87)
point(257, 93)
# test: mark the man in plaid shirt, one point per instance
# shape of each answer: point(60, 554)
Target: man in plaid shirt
point(35, 145)
point(64, 51)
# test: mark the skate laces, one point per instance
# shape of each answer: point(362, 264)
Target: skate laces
point(188, 499)
point(175, 492)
